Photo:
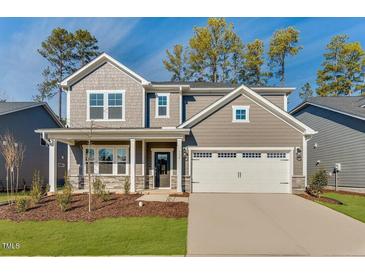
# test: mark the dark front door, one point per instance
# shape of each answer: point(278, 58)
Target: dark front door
point(162, 169)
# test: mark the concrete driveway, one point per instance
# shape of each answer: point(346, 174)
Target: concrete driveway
point(270, 224)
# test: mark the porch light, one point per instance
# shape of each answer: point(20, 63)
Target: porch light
point(140, 204)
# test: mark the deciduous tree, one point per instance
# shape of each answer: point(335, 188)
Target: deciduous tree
point(342, 71)
point(283, 43)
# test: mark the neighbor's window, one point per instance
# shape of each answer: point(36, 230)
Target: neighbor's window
point(115, 106)
point(240, 113)
point(96, 105)
point(90, 160)
point(106, 161)
point(122, 160)
point(162, 105)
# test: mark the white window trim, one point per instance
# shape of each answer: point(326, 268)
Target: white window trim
point(246, 108)
point(96, 161)
point(105, 101)
point(167, 105)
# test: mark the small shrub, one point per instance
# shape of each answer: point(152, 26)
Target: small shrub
point(127, 186)
point(99, 190)
point(22, 203)
point(36, 190)
point(317, 182)
point(64, 197)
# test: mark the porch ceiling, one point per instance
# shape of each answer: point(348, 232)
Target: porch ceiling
point(71, 135)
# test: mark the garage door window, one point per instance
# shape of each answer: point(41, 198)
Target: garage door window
point(281, 155)
point(251, 155)
point(227, 155)
point(197, 155)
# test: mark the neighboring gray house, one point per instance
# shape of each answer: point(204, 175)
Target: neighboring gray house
point(340, 122)
point(21, 119)
point(179, 136)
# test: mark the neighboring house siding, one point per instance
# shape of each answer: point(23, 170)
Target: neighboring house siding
point(174, 111)
point(340, 139)
point(192, 104)
point(263, 130)
point(277, 100)
point(107, 77)
point(21, 125)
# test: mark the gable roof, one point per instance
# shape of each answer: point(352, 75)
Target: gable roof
point(353, 106)
point(275, 110)
point(98, 61)
point(10, 107)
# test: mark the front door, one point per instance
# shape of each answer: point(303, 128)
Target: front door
point(162, 169)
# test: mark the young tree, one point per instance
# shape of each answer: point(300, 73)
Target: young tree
point(306, 91)
point(342, 71)
point(177, 63)
point(86, 46)
point(252, 65)
point(58, 50)
point(283, 44)
point(211, 50)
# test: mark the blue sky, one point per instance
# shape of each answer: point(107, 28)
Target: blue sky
point(140, 44)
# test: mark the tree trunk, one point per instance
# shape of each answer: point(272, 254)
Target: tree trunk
point(17, 179)
point(282, 80)
point(7, 184)
point(60, 103)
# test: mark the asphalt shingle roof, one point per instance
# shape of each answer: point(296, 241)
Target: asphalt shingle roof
point(6, 107)
point(354, 105)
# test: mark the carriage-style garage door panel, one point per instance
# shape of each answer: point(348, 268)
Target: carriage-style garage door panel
point(241, 171)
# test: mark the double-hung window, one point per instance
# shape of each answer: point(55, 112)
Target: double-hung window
point(121, 161)
point(90, 160)
point(240, 114)
point(106, 161)
point(162, 105)
point(106, 105)
point(96, 104)
point(115, 106)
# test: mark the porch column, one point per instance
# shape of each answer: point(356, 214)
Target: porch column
point(179, 165)
point(52, 169)
point(133, 165)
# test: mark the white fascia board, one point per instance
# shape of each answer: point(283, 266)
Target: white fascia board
point(65, 83)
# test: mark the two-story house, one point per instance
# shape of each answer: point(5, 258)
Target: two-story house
point(194, 137)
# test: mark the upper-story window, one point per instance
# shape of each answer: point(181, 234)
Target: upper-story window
point(162, 105)
point(106, 105)
point(240, 114)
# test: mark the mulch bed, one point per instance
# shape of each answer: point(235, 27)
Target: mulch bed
point(183, 194)
point(345, 192)
point(118, 206)
point(321, 199)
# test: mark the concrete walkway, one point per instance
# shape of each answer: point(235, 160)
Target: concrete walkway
point(162, 198)
point(270, 224)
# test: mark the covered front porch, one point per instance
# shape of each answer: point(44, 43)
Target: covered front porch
point(147, 159)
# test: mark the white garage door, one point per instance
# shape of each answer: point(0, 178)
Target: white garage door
point(245, 171)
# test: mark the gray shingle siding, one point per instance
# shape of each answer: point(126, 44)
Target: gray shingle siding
point(340, 139)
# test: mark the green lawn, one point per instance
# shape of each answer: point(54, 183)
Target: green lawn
point(111, 236)
point(4, 196)
point(353, 205)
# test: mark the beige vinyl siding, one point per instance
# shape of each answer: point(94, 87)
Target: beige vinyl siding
point(192, 104)
point(107, 77)
point(276, 99)
point(174, 111)
point(263, 130)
